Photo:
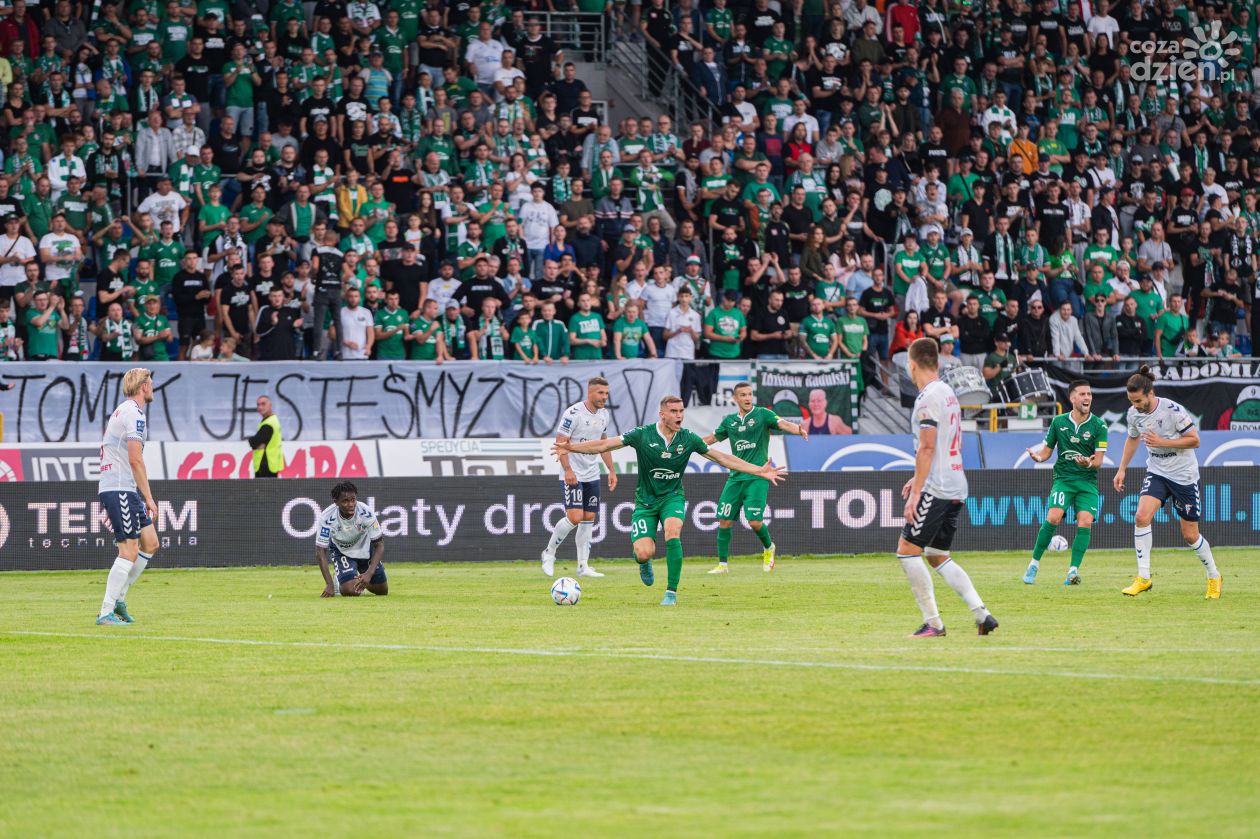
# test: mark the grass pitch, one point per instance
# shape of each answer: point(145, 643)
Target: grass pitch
point(790, 704)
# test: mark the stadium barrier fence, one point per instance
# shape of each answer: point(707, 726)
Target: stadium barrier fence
point(208, 523)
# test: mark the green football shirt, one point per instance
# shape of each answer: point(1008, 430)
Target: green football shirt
point(391, 347)
point(661, 462)
point(750, 437)
point(818, 332)
point(150, 326)
point(423, 350)
point(631, 336)
point(41, 341)
point(587, 326)
point(853, 330)
point(1174, 331)
point(1072, 439)
point(727, 323)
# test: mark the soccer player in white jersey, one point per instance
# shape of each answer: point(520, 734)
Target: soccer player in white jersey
point(1172, 472)
point(125, 496)
point(935, 495)
point(585, 421)
point(350, 540)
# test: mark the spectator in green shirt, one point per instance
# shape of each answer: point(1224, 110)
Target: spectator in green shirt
point(391, 329)
point(152, 330)
point(425, 334)
point(42, 320)
point(587, 335)
point(550, 336)
point(1170, 329)
point(522, 339)
point(725, 328)
point(631, 338)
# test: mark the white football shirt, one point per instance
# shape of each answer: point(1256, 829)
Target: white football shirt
point(1170, 421)
point(353, 536)
point(582, 426)
point(936, 406)
point(126, 423)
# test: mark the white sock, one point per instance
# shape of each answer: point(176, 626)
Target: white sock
point(921, 584)
point(583, 542)
point(115, 584)
point(952, 573)
point(1034, 563)
point(563, 529)
point(1204, 550)
point(137, 568)
point(1142, 541)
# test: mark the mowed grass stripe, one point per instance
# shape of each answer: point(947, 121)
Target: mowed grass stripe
point(687, 659)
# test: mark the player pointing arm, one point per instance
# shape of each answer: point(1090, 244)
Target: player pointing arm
point(770, 472)
point(748, 430)
point(663, 449)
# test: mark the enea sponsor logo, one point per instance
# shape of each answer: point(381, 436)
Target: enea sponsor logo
point(665, 475)
point(60, 525)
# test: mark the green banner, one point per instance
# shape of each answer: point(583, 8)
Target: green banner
point(824, 396)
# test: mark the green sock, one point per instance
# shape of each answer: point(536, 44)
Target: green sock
point(1044, 535)
point(673, 559)
point(724, 544)
point(764, 535)
point(1080, 544)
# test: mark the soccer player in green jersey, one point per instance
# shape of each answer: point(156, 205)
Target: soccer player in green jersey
point(749, 431)
point(663, 450)
point(1081, 439)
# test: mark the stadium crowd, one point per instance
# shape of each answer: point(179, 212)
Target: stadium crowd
point(257, 180)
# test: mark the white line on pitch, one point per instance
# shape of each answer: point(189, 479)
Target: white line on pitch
point(985, 648)
point(761, 662)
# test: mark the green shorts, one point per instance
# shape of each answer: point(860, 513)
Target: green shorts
point(1080, 495)
point(646, 517)
point(750, 495)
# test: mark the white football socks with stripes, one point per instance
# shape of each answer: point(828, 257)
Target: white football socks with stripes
point(921, 585)
point(563, 528)
point(1204, 550)
point(115, 584)
point(583, 542)
point(952, 573)
point(137, 568)
point(1142, 541)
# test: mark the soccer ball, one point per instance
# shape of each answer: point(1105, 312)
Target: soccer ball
point(1058, 543)
point(566, 591)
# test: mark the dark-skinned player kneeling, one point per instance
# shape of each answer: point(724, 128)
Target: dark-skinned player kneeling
point(350, 539)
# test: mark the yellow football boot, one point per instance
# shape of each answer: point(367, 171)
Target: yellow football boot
point(1140, 584)
point(1214, 590)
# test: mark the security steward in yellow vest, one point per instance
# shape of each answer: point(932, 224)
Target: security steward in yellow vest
point(266, 442)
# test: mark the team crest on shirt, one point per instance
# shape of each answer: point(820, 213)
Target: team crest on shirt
point(1086, 435)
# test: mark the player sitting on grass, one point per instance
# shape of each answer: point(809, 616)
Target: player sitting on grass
point(663, 450)
point(1081, 439)
point(749, 431)
point(350, 535)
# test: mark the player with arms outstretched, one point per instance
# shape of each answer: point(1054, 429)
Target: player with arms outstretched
point(749, 431)
point(1081, 439)
point(1172, 472)
point(663, 449)
point(935, 495)
point(123, 489)
point(350, 538)
point(582, 423)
